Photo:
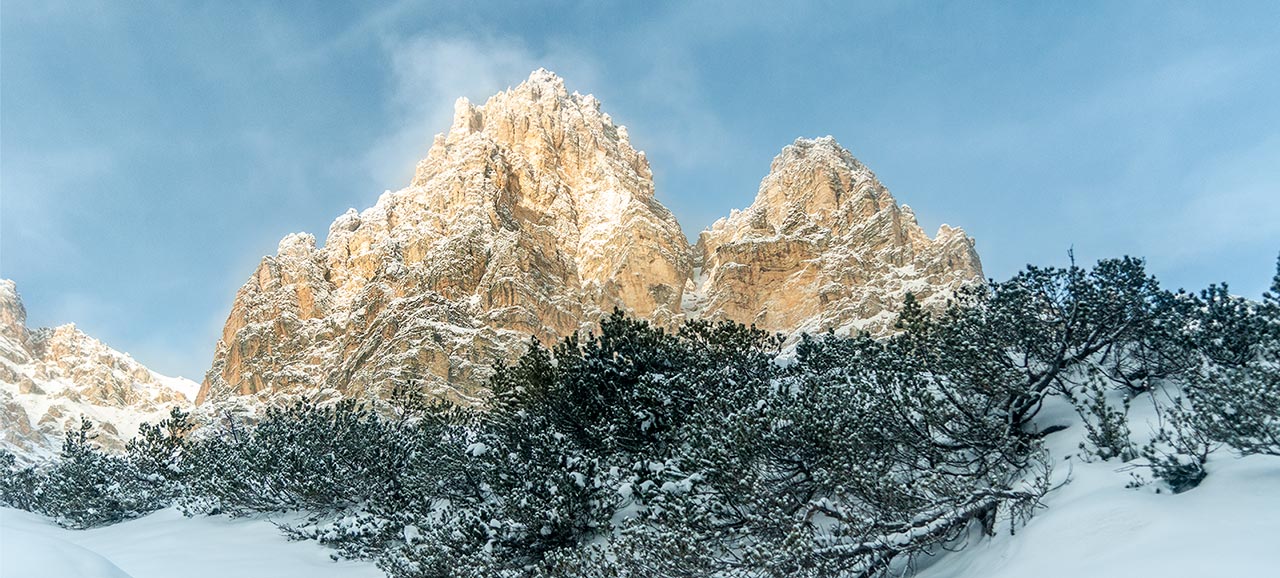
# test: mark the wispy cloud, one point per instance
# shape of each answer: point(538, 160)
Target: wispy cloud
point(42, 191)
point(695, 135)
point(430, 73)
point(1234, 201)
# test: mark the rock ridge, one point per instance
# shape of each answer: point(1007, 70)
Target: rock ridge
point(51, 377)
point(534, 216)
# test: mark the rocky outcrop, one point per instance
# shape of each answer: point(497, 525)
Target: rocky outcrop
point(13, 316)
point(532, 216)
point(51, 377)
point(825, 247)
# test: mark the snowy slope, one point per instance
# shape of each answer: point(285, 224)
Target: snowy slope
point(163, 545)
point(1095, 527)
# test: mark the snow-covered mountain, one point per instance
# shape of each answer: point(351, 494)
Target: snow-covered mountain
point(51, 377)
point(825, 246)
point(534, 216)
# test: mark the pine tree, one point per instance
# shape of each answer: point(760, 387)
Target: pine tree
point(88, 487)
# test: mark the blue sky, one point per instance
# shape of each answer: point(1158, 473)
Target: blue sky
point(152, 153)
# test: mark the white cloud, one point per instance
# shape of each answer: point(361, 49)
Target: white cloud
point(431, 73)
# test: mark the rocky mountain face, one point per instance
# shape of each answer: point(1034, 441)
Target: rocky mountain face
point(534, 216)
point(51, 377)
point(825, 246)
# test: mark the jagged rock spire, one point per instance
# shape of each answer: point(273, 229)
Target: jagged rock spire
point(13, 316)
point(825, 246)
point(531, 215)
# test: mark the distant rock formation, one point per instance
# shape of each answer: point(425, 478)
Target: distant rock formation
point(51, 377)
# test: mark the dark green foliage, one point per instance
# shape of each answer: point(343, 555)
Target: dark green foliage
point(719, 462)
point(636, 451)
point(86, 487)
point(1230, 392)
point(19, 485)
point(1021, 341)
point(1240, 406)
point(1235, 399)
point(576, 434)
point(89, 487)
point(302, 457)
point(1230, 328)
point(826, 457)
point(160, 451)
point(1106, 427)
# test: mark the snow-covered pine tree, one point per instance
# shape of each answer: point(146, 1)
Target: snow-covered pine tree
point(1236, 398)
point(87, 487)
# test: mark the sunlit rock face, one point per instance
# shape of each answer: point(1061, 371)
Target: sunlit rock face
point(825, 246)
point(49, 378)
point(532, 216)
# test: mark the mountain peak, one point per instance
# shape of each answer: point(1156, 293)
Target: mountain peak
point(545, 77)
point(533, 215)
point(817, 151)
point(822, 142)
point(812, 179)
point(50, 377)
point(825, 246)
point(540, 119)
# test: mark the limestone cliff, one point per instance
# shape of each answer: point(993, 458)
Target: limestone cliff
point(533, 215)
point(825, 246)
